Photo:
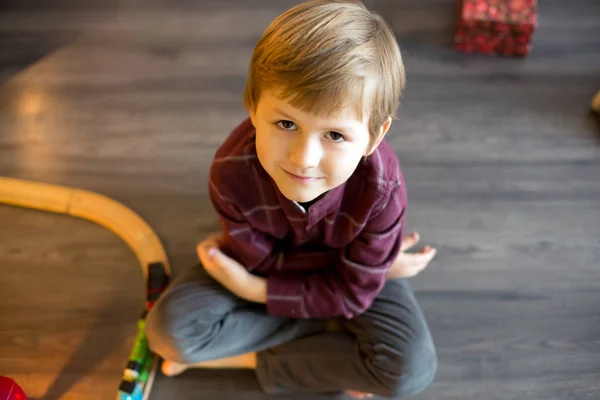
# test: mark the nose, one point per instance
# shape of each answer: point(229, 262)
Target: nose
point(306, 152)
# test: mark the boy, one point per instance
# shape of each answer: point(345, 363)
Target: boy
point(312, 205)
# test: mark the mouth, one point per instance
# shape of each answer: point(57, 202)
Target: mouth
point(300, 178)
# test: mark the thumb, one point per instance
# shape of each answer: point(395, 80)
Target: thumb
point(206, 250)
point(218, 257)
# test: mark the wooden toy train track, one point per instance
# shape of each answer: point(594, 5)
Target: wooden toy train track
point(138, 376)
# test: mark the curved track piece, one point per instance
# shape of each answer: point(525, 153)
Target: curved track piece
point(96, 208)
point(90, 206)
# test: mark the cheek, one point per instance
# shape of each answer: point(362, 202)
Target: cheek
point(262, 141)
point(269, 145)
point(341, 164)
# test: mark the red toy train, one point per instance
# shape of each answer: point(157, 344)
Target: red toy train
point(9, 390)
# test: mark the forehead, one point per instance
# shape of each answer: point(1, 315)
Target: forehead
point(273, 101)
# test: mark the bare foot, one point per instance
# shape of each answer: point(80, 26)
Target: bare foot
point(359, 395)
point(170, 368)
point(248, 360)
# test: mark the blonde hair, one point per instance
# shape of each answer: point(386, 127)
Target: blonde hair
point(328, 55)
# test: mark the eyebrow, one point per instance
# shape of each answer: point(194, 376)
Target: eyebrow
point(346, 129)
point(278, 111)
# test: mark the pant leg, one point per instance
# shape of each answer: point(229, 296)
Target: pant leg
point(388, 351)
point(196, 319)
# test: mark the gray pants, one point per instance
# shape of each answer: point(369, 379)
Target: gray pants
point(387, 350)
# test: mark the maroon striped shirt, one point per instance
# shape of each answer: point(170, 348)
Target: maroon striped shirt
point(330, 260)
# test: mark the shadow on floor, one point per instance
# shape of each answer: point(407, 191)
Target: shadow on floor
point(101, 341)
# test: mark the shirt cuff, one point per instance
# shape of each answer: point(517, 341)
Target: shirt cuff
point(285, 297)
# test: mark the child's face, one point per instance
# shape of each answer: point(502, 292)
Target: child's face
point(307, 155)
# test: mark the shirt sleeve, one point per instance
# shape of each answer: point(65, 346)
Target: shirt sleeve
point(350, 288)
point(250, 247)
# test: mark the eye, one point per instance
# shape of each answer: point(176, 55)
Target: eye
point(286, 125)
point(336, 137)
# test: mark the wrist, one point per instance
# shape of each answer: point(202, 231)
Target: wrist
point(257, 289)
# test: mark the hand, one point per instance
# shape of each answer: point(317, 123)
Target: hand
point(411, 264)
point(229, 273)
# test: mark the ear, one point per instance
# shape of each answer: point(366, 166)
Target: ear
point(252, 113)
point(382, 131)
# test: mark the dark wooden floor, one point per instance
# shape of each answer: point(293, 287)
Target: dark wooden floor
point(131, 99)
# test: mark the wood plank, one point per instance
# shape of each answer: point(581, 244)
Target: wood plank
point(131, 100)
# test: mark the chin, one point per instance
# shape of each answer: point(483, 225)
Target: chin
point(295, 196)
point(301, 196)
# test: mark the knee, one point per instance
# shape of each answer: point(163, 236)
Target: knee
point(175, 333)
point(407, 374)
point(161, 332)
point(418, 373)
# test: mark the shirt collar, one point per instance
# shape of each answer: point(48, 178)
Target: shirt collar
point(329, 203)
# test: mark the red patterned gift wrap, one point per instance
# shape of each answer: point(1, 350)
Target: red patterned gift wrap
point(500, 27)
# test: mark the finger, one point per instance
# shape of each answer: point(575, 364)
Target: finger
point(423, 256)
point(425, 249)
point(203, 255)
point(202, 248)
point(418, 262)
point(218, 238)
point(209, 242)
point(409, 241)
point(217, 257)
point(205, 251)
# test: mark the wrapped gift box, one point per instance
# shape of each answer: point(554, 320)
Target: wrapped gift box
point(501, 27)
